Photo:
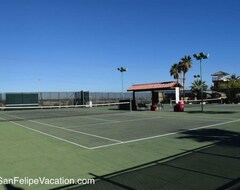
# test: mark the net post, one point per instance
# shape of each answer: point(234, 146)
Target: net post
point(130, 105)
point(171, 103)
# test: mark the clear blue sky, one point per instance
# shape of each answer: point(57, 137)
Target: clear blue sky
point(72, 45)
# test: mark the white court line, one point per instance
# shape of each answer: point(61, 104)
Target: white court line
point(109, 121)
point(12, 116)
point(55, 137)
point(189, 118)
point(114, 140)
point(166, 134)
point(59, 138)
point(112, 122)
point(66, 129)
point(89, 134)
point(129, 120)
point(97, 119)
point(136, 140)
point(105, 138)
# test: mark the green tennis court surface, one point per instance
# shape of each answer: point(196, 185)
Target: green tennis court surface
point(122, 149)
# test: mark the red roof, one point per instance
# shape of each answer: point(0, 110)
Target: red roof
point(154, 86)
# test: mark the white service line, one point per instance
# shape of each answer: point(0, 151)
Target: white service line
point(12, 116)
point(118, 142)
point(99, 119)
point(71, 130)
point(109, 121)
point(166, 134)
point(58, 138)
point(189, 118)
point(112, 122)
point(92, 118)
point(66, 129)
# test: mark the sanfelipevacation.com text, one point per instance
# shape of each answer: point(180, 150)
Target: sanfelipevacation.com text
point(45, 181)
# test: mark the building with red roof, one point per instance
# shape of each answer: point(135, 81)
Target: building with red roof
point(154, 88)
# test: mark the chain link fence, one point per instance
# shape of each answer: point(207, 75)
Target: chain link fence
point(105, 97)
point(71, 98)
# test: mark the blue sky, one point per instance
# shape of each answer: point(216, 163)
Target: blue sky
point(72, 45)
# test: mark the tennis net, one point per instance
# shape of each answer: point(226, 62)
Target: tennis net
point(41, 112)
point(195, 104)
point(205, 101)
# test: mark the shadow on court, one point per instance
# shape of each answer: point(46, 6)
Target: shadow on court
point(11, 187)
point(215, 166)
point(209, 135)
point(212, 112)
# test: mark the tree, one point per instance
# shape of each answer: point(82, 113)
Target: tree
point(231, 88)
point(185, 64)
point(196, 87)
point(234, 78)
point(175, 71)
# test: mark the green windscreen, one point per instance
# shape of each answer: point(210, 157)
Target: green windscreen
point(21, 98)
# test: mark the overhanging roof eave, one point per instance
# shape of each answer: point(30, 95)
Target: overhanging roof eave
point(151, 89)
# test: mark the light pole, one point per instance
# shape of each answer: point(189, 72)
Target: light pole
point(200, 57)
point(122, 69)
point(229, 95)
point(199, 88)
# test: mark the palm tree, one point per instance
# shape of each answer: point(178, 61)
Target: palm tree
point(185, 64)
point(234, 78)
point(175, 71)
point(233, 86)
point(196, 86)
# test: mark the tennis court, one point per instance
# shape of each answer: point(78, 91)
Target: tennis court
point(79, 142)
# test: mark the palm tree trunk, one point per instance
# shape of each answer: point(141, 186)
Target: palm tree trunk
point(183, 86)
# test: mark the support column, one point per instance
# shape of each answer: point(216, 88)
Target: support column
point(177, 94)
point(153, 98)
point(134, 106)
